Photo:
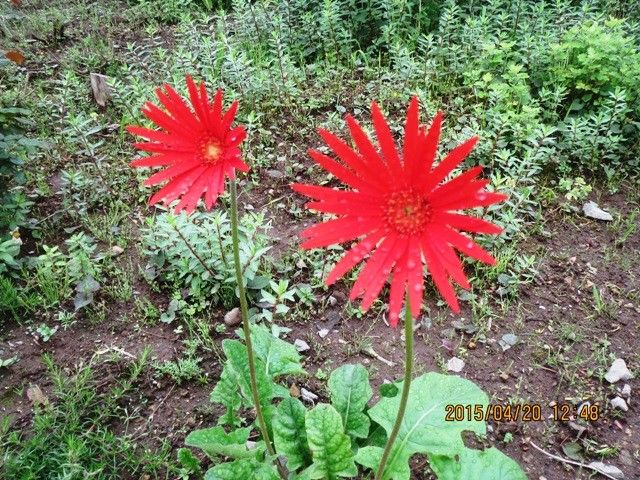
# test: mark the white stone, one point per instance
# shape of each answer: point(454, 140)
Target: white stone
point(592, 210)
point(619, 403)
point(301, 345)
point(455, 365)
point(618, 371)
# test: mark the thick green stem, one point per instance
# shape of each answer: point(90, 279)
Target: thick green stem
point(406, 385)
point(244, 309)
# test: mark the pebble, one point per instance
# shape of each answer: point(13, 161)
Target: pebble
point(455, 365)
point(307, 395)
point(117, 250)
point(592, 210)
point(619, 403)
point(626, 391)
point(301, 345)
point(232, 318)
point(618, 371)
point(323, 332)
point(333, 301)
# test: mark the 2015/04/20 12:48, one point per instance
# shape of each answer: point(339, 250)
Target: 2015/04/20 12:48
point(562, 412)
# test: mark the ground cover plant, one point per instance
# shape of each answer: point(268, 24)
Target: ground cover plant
point(121, 334)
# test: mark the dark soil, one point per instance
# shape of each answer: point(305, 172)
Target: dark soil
point(577, 254)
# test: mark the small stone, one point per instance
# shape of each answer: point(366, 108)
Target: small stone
point(618, 371)
point(232, 318)
point(300, 264)
point(626, 391)
point(619, 403)
point(455, 365)
point(592, 210)
point(308, 396)
point(275, 173)
point(471, 345)
point(116, 250)
point(323, 332)
point(301, 345)
point(333, 301)
point(610, 470)
point(504, 376)
point(507, 341)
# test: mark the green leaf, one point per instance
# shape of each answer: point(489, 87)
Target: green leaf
point(215, 441)
point(226, 393)
point(189, 461)
point(279, 357)
point(350, 393)
point(424, 429)
point(236, 354)
point(330, 446)
point(246, 469)
point(489, 464)
point(289, 434)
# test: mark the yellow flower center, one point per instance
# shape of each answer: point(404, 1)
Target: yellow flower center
point(211, 151)
point(407, 212)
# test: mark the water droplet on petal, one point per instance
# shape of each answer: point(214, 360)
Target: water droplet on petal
point(417, 287)
point(411, 264)
point(470, 245)
point(482, 196)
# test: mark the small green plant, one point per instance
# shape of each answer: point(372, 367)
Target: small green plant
point(182, 369)
point(329, 440)
point(196, 253)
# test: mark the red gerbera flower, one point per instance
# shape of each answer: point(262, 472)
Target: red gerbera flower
point(197, 146)
point(400, 212)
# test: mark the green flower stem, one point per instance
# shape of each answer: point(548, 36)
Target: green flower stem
point(244, 308)
point(406, 385)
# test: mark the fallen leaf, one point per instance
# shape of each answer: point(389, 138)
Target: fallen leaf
point(36, 396)
point(15, 56)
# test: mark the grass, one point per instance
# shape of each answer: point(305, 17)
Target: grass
point(73, 434)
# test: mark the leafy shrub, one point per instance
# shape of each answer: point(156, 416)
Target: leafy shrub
point(195, 253)
point(596, 58)
point(14, 148)
point(328, 440)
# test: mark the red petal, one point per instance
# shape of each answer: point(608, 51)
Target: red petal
point(163, 120)
point(176, 186)
point(427, 147)
point(458, 185)
point(340, 172)
point(332, 194)
point(157, 160)
point(376, 270)
point(161, 137)
point(440, 279)
point(410, 147)
point(448, 256)
point(368, 151)
point(397, 291)
point(196, 101)
point(178, 109)
point(354, 256)
point(213, 188)
point(466, 223)
point(339, 230)
point(451, 161)
point(415, 276)
point(171, 172)
point(464, 244)
point(228, 118)
point(351, 158)
point(387, 144)
point(196, 190)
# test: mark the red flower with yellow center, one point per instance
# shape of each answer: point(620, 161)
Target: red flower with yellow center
point(400, 211)
point(196, 145)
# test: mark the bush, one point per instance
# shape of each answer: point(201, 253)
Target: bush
point(594, 59)
point(195, 253)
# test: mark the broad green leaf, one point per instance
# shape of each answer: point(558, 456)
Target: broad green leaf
point(226, 393)
point(489, 464)
point(246, 469)
point(289, 434)
point(350, 393)
point(236, 354)
point(424, 429)
point(330, 446)
point(215, 441)
point(278, 357)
